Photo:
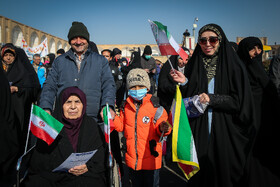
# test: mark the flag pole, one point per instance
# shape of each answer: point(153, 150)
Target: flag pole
point(111, 165)
point(108, 126)
point(28, 132)
point(170, 63)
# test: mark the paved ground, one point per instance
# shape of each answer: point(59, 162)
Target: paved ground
point(170, 174)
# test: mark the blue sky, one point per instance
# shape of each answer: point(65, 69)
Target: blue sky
point(125, 22)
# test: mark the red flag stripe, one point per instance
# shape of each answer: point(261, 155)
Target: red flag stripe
point(41, 133)
point(167, 49)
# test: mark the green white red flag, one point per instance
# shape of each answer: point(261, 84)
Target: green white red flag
point(108, 121)
point(166, 43)
point(183, 146)
point(43, 125)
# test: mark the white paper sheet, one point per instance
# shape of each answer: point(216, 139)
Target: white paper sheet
point(75, 159)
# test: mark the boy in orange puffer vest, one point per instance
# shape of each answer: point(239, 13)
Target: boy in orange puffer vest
point(143, 121)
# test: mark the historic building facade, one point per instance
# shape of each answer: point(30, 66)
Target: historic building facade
point(13, 32)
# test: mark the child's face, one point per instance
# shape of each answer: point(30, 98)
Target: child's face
point(137, 87)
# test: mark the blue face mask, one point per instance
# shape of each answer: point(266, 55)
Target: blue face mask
point(138, 94)
point(148, 57)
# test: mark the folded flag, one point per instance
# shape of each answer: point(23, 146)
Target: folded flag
point(43, 125)
point(166, 43)
point(108, 121)
point(183, 147)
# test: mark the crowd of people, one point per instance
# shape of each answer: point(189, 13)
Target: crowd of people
point(235, 138)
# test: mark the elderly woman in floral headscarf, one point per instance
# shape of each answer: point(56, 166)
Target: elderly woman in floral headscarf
point(222, 134)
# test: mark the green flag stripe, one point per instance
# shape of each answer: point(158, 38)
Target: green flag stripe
point(162, 27)
point(184, 135)
point(51, 121)
point(105, 115)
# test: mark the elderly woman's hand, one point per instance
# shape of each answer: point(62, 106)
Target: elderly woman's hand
point(78, 170)
point(177, 76)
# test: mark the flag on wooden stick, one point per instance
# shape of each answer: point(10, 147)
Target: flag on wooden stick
point(43, 125)
point(166, 43)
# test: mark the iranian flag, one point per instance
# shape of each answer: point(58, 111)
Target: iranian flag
point(166, 43)
point(183, 146)
point(43, 125)
point(108, 122)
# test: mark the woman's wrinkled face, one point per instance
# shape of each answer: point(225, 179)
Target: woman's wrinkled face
point(73, 107)
point(9, 58)
point(209, 42)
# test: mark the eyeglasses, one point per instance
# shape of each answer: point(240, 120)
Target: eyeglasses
point(212, 40)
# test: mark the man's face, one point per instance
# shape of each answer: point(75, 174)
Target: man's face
point(79, 45)
point(36, 60)
point(107, 55)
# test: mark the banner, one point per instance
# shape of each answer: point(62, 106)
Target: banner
point(41, 49)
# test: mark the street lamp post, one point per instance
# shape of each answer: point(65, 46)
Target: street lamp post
point(194, 27)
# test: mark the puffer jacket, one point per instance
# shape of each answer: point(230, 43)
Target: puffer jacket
point(139, 129)
point(94, 79)
point(41, 73)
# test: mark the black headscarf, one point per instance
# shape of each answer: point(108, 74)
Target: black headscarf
point(8, 131)
point(93, 47)
point(254, 66)
point(222, 154)
point(166, 85)
point(147, 50)
point(266, 109)
point(21, 73)
point(5, 95)
point(71, 126)
point(134, 63)
point(52, 57)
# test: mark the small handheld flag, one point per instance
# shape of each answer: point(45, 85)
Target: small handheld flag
point(108, 120)
point(166, 43)
point(43, 125)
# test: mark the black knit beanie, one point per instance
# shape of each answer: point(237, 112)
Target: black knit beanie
point(78, 29)
point(147, 50)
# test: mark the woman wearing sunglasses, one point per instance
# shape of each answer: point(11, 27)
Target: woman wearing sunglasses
point(222, 133)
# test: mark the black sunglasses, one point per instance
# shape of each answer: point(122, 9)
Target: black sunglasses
point(212, 40)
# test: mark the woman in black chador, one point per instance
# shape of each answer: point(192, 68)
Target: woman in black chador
point(222, 134)
point(8, 134)
point(262, 168)
point(79, 134)
point(24, 85)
